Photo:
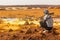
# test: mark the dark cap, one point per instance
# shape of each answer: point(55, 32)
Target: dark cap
point(46, 11)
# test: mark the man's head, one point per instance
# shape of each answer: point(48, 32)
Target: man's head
point(46, 11)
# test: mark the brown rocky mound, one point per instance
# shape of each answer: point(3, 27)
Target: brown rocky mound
point(31, 34)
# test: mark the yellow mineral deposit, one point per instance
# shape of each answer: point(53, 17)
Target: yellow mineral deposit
point(15, 22)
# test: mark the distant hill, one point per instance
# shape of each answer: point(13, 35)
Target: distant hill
point(45, 6)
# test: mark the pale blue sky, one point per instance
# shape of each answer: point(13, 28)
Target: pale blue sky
point(29, 2)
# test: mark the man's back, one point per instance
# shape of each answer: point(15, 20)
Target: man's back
point(49, 20)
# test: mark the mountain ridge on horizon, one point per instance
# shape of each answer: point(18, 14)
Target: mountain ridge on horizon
point(29, 5)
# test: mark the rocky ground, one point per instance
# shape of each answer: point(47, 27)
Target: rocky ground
point(30, 34)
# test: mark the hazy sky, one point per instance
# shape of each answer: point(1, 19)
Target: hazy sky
point(29, 2)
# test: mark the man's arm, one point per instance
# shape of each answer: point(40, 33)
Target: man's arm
point(45, 17)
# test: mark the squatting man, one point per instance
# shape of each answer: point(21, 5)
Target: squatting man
point(46, 22)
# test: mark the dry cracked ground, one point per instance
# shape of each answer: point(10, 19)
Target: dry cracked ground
point(30, 34)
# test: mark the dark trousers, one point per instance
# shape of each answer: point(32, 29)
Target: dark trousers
point(44, 25)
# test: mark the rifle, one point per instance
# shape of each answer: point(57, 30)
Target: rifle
point(51, 13)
